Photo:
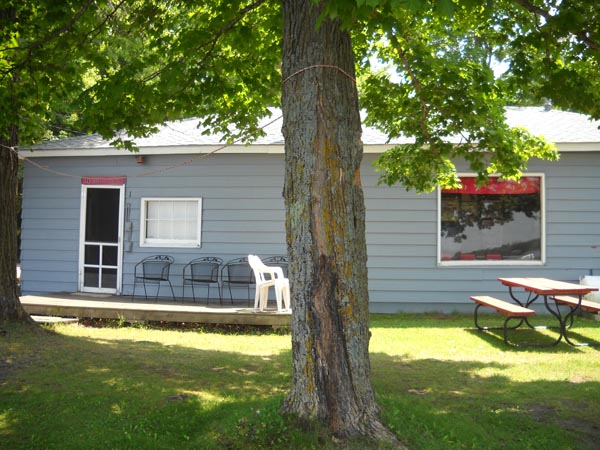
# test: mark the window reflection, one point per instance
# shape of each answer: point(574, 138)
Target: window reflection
point(497, 222)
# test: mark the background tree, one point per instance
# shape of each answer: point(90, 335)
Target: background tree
point(48, 54)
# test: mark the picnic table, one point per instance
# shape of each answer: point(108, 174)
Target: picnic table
point(554, 294)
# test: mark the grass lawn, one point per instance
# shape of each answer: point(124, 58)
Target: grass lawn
point(440, 383)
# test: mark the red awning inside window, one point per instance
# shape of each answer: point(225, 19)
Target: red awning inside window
point(526, 185)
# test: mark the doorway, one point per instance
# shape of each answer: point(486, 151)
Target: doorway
point(101, 239)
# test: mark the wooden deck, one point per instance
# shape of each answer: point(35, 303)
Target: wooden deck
point(102, 306)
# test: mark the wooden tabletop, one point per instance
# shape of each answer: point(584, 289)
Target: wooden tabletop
point(546, 286)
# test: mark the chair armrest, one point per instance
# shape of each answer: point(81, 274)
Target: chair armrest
point(276, 272)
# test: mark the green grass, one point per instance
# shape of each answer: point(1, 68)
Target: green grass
point(441, 385)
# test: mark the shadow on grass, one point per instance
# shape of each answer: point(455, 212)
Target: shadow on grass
point(67, 392)
point(524, 338)
point(449, 404)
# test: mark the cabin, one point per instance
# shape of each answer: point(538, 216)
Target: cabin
point(91, 212)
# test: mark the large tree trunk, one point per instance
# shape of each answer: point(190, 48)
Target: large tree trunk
point(10, 307)
point(325, 223)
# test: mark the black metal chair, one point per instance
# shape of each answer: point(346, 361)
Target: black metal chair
point(237, 272)
point(153, 270)
point(278, 261)
point(203, 271)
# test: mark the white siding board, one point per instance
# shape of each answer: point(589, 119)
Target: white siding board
point(57, 245)
point(578, 240)
point(224, 226)
point(555, 230)
point(580, 218)
point(247, 216)
point(400, 216)
point(43, 227)
point(412, 205)
point(55, 214)
point(576, 204)
point(576, 195)
point(49, 256)
point(403, 239)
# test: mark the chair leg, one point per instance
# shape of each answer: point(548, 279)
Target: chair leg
point(133, 293)
point(257, 299)
point(285, 291)
point(264, 297)
point(207, 293)
point(157, 292)
point(278, 294)
point(172, 291)
point(278, 297)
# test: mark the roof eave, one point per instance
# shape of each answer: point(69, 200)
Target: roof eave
point(238, 149)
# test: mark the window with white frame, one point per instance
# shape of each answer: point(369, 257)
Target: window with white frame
point(499, 223)
point(170, 222)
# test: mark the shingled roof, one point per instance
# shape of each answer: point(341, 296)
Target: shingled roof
point(570, 131)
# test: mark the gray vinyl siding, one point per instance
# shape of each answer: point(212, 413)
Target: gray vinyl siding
point(402, 227)
point(243, 212)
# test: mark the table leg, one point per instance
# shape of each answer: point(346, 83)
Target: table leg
point(556, 313)
point(569, 319)
point(530, 299)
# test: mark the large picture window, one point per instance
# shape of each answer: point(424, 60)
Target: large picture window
point(170, 222)
point(500, 223)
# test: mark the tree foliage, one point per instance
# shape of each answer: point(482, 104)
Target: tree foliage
point(218, 61)
point(443, 84)
point(439, 79)
point(45, 49)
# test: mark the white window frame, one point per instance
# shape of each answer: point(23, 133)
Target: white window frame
point(175, 243)
point(503, 262)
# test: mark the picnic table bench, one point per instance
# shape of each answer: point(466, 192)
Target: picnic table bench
point(593, 307)
point(554, 293)
point(511, 311)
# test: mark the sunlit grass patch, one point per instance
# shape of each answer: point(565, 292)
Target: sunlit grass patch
point(440, 383)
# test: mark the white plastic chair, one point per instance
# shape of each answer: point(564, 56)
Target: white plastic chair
point(267, 276)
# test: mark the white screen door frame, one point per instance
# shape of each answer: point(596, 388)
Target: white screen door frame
point(100, 244)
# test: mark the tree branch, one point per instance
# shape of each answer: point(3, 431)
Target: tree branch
point(416, 85)
point(107, 17)
point(581, 35)
point(29, 49)
point(58, 32)
point(213, 42)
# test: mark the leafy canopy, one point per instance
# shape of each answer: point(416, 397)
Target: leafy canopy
point(428, 69)
point(45, 52)
point(440, 79)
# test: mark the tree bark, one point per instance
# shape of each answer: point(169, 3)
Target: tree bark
point(325, 228)
point(10, 307)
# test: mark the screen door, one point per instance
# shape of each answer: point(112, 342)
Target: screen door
point(101, 239)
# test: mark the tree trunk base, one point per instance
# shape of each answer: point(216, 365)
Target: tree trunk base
point(371, 433)
point(11, 310)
